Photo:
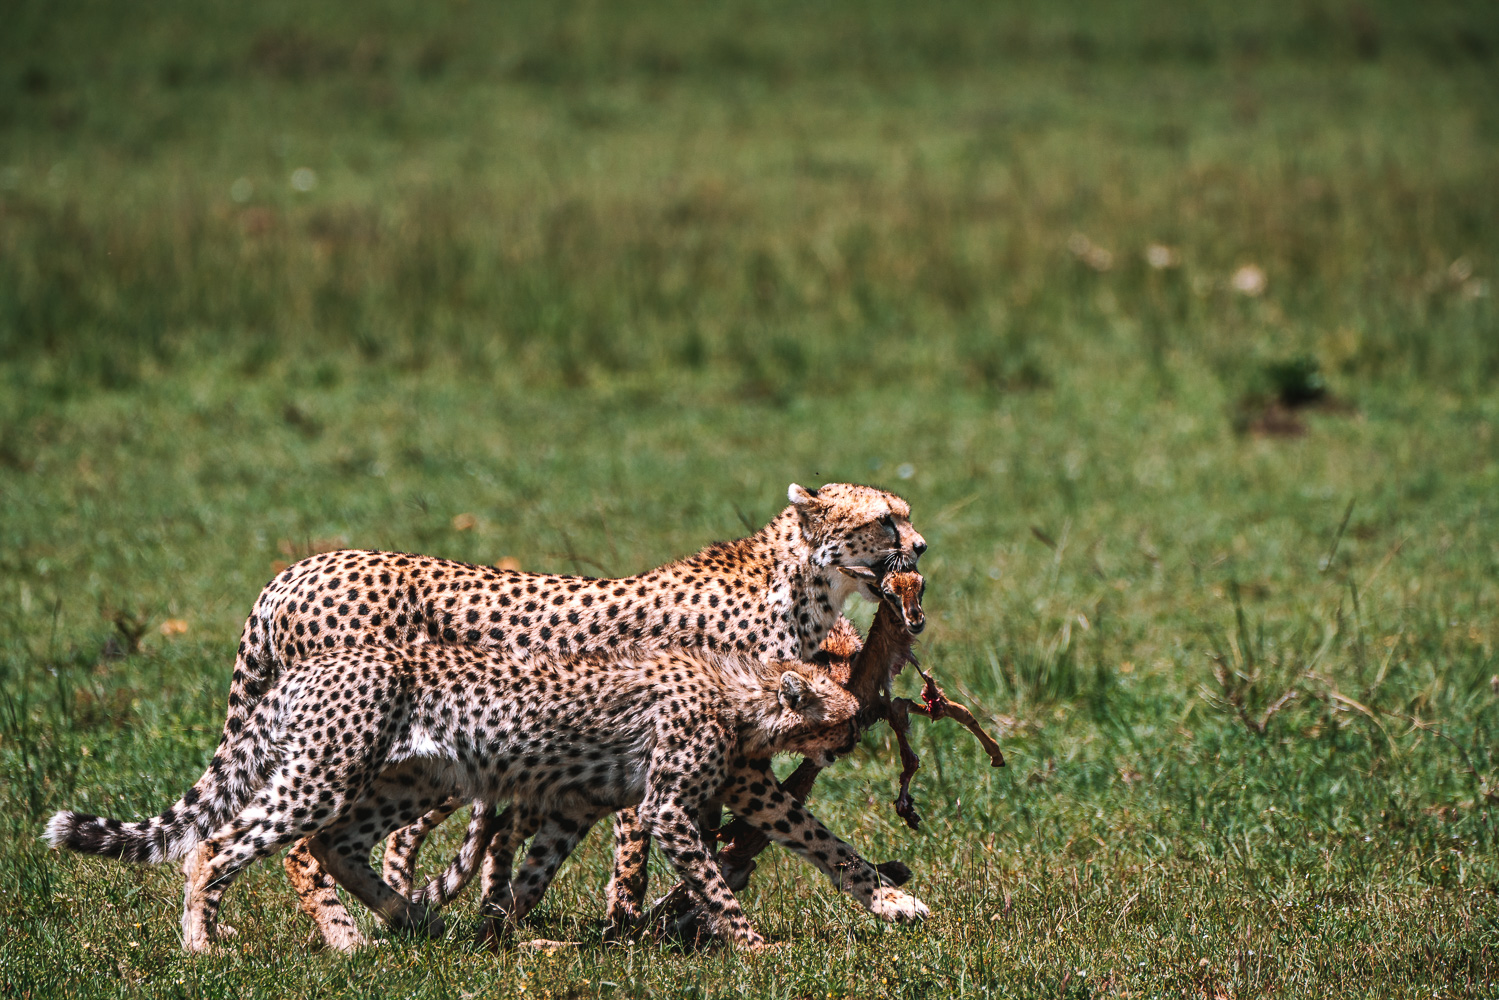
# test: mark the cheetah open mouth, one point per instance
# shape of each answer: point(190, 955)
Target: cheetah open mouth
point(867, 577)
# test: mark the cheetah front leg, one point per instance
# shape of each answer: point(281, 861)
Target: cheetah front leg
point(624, 911)
point(756, 796)
point(681, 840)
point(684, 780)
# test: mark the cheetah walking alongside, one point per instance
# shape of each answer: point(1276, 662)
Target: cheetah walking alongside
point(900, 618)
point(773, 595)
point(351, 744)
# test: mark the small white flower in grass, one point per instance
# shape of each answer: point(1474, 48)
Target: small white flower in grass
point(1160, 256)
point(303, 179)
point(905, 470)
point(242, 190)
point(1249, 280)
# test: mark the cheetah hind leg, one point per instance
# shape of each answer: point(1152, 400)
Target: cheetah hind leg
point(190, 865)
point(261, 829)
point(343, 851)
point(397, 912)
point(515, 826)
point(317, 896)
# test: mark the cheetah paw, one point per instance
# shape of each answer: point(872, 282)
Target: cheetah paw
point(202, 945)
point(621, 922)
point(755, 944)
point(346, 942)
point(899, 907)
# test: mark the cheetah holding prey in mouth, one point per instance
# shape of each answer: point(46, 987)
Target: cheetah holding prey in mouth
point(351, 744)
point(772, 596)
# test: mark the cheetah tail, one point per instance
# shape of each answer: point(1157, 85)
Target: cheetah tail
point(219, 794)
point(483, 825)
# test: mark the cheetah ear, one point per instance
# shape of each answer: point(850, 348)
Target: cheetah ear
point(794, 690)
point(802, 497)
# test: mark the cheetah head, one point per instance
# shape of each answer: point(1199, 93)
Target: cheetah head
point(851, 526)
point(805, 712)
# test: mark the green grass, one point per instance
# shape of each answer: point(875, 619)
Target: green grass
point(609, 279)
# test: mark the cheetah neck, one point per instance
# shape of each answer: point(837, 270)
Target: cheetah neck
point(802, 594)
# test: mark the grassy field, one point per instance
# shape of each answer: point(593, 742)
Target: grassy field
point(606, 280)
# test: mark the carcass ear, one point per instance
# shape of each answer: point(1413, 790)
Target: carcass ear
point(861, 573)
point(794, 690)
point(802, 497)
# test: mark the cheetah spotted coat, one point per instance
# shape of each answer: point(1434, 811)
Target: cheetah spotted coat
point(773, 595)
point(353, 743)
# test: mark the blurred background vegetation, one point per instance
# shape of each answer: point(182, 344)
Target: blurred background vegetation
point(1174, 321)
point(581, 193)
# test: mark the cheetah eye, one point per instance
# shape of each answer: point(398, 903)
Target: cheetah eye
point(889, 522)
